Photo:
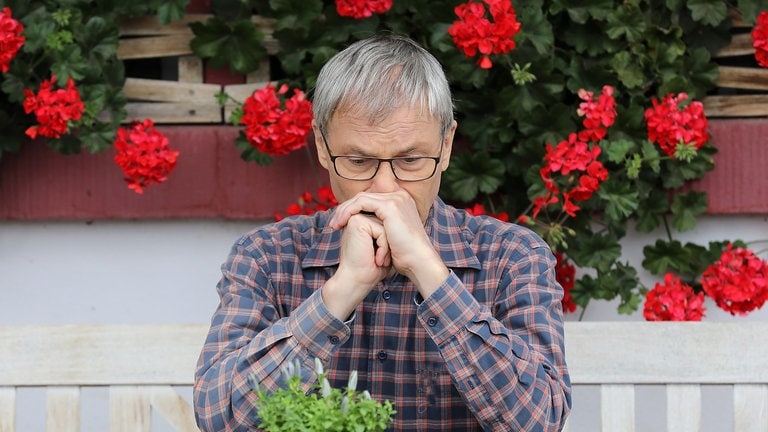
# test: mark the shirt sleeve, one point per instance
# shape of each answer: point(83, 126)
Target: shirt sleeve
point(508, 365)
point(249, 341)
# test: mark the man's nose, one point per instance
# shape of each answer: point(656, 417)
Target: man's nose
point(385, 180)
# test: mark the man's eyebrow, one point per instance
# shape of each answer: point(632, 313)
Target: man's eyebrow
point(356, 150)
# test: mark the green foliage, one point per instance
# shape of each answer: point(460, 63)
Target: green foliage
point(228, 44)
point(76, 39)
point(323, 409)
point(507, 114)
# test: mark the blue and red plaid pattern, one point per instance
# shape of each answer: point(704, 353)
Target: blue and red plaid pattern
point(485, 351)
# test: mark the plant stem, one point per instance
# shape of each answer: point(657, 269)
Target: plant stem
point(583, 310)
point(666, 228)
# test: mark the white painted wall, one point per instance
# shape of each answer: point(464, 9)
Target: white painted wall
point(166, 271)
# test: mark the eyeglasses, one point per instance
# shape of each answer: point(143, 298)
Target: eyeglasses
point(361, 168)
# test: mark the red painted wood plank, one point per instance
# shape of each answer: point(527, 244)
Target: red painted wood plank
point(211, 181)
point(739, 182)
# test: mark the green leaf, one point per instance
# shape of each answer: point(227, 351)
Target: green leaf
point(620, 199)
point(672, 256)
point(627, 69)
point(472, 174)
point(708, 11)
point(627, 22)
point(171, 10)
point(70, 64)
point(652, 156)
point(685, 207)
point(238, 46)
point(620, 281)
point(595, 250)
point(537, 30)
point(650, 211)
point(616, 150)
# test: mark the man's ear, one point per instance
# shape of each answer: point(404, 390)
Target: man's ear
point(322, 151)
point(445, 159)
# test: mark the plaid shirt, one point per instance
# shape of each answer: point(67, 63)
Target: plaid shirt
point(484, 351)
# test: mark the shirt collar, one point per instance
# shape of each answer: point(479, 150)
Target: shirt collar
point(450, 240)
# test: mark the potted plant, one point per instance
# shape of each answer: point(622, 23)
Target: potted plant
point(323, 408)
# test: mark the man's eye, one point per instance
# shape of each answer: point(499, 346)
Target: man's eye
point(358, 161)
point(410, 161)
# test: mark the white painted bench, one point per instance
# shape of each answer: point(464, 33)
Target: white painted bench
point(141, 365)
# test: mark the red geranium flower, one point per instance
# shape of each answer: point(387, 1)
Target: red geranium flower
point(144, 155)
point(581, 174)
point(738, 281)
point(11, 38)
point(760, 39)
point(598, 115)
point(673, 301)
point(671, 122)
point(275, 127)
point(359, 9)
point(565, 273)
point(54, 109)
point(309, 204)
point(478, 209)
point(473, 32)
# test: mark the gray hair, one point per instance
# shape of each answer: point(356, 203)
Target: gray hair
point(378, 75)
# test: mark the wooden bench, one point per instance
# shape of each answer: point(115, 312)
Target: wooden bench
point(140, 367)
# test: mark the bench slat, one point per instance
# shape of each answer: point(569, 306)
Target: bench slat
point(684, 407)
point(691, 352)
point(172, 407)
point(7, 409)
point(617, 409)
point(750, 407)
point(129, 410)
point(62, 409)
point(81, 355)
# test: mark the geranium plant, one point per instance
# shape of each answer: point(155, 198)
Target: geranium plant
point(62, 82)
point(582, 121)
point(324, 409)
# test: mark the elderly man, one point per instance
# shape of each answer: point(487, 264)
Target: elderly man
point(455, 318)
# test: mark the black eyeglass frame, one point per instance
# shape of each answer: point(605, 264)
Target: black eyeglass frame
point(379, 161)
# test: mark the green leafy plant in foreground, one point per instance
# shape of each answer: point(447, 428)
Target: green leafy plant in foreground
point(324, 408)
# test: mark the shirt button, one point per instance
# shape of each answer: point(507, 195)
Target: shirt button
point(432, 321)
point(382, 356)
point(386, 295)
point(333, 339)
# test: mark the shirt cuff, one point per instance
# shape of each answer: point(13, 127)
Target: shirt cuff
point(448, 311)
point(317, 329)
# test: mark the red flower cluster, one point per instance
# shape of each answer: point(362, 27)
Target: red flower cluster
point(565, 273)
point(598, 115)
point(577, 163)
point(473, 32)
point(670, 123)
point(273, 128)
point(478, 210)
point(575, 159)
point(144, 155)
point(359, 9)
point(53, 108)
point(308, 204)
point(11, 38)
point(738, 281)
point(760, 39)
point(673, 301)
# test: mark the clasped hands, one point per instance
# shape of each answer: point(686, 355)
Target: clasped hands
point(382, 233)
